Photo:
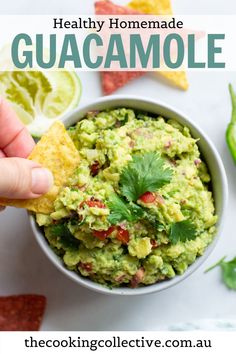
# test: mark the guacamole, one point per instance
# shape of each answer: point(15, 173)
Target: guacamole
point(138, 209)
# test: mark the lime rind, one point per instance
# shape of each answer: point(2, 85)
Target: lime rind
point(40, 98)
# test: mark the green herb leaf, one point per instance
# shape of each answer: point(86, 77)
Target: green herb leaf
point(151, 218)
point(125, 120)
point(182, 231)
point(215, 265)
point(145, 173)
point(66, 238)
point(228, 272)
point(120, 210)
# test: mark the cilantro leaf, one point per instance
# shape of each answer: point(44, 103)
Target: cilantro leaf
point(145, 173)
point(152, 219)
point(120, 210)
point(64, 236)
point(182, 231)
point(125, 120)
point(228, 272)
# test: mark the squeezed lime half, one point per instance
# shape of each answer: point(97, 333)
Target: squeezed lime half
point(39, 98)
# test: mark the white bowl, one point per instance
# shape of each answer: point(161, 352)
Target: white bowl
point(211, 156)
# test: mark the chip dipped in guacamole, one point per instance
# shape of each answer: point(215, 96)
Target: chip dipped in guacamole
point(138, 209)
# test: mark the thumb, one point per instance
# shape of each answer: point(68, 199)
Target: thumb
point(23, 179)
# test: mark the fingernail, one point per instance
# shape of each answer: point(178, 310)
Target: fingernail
point(41, 180)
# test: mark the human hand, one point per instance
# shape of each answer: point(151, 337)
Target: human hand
point(19, 178)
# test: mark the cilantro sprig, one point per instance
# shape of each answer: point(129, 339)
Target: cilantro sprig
point(145, 173)
point(120, 210)
point(228, 270)
point(182, 231)
point(64, 236)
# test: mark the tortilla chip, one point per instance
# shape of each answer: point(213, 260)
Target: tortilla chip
point(113, 80)
point(106, 7)
point(161, 7)
point(57, 152)
point(176, 78)
point(152, 7)
point(21, 312)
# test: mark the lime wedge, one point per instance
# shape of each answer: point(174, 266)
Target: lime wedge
point(40, 98)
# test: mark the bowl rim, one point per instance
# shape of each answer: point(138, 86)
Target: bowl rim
point(148, 289)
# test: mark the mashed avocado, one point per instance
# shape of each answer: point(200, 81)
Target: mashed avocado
point(138, 209)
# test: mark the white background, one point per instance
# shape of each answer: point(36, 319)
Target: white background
point(25, 269)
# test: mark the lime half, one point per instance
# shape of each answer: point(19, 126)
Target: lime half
point(39, 98)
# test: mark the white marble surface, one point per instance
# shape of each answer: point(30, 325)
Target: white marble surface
point(25, 269)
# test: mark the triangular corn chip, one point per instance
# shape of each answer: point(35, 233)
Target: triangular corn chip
point(176, 78)
point(113, 80)
point(21, 312)
point(152, 7)
point(57, 152)
point(161, 7)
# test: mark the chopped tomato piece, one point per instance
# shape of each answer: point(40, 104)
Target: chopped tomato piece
point(137, 278)
point(88, 267)
point(102, 235)
point(154, 244)
point(93, 203)
point(94, 168)
point(148, 197)
point(122, 235)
